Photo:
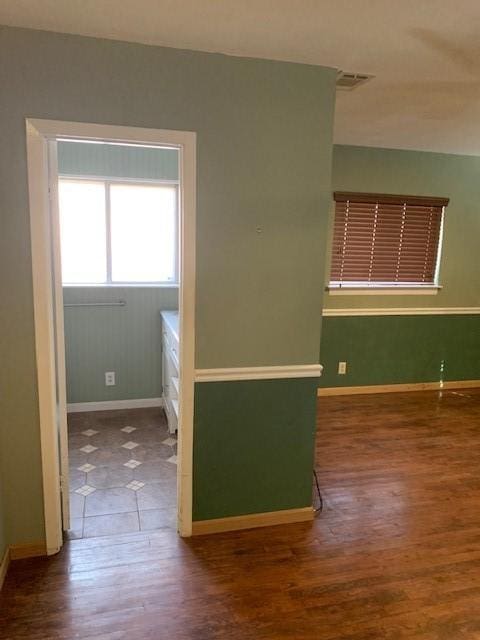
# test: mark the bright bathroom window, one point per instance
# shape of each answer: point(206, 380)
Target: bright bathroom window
point(115, 232)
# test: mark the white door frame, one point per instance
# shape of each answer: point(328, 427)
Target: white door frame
point(59, 333)
point(45, 250)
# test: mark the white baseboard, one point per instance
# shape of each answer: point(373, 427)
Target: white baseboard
point(109, 405)
point(398, 388)
point(252, 520)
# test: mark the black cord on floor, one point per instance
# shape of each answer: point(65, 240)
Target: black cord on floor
point(319, 509)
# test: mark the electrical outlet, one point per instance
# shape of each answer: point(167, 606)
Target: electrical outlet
point(342, 368)
point(109, 378)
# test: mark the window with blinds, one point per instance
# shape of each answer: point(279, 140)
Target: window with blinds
point(382, 240)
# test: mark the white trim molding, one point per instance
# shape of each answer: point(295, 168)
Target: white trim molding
point(259, 373)
point(109, 405)
point(404, 311)
point(44, 322)
point(253, 520)
point(399, 388)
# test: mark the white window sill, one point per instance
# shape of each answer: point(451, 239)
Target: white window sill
point(421, 290)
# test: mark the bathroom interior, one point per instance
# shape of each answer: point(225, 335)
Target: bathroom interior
point(118, 214)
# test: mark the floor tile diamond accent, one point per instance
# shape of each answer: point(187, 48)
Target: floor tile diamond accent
point(89, 432)
point(87, 467)
point(130, 445)
point(101, 501)
point(131, 464)
point(88, 448)
point(85, 490)
point(172, 459)
point(135, 485)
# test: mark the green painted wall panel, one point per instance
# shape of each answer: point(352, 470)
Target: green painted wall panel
point(421, 173)
point(117, 161)
point(251, 117)
point(253, 446)
point(126, 340)
point(400, 349)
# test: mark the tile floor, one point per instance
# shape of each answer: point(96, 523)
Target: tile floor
point(122, 472)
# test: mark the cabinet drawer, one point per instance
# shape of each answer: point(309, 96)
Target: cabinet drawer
point(171, 337)
point(171, 350)
point(171, 362)
point(174, 386)
point(172, 417)
point(170, 370)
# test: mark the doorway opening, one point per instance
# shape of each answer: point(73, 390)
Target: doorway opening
point(113, 228)
point(118, 223)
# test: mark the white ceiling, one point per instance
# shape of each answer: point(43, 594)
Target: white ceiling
point(425, 54)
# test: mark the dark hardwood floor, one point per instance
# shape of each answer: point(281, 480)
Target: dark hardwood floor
point(395, 553)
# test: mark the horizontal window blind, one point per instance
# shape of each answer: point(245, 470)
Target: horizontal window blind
point(385, 239)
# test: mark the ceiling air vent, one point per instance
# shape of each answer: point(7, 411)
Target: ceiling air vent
point(349, 81)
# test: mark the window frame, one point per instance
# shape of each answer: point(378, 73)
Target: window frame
point(335, 287)
point(108, 181)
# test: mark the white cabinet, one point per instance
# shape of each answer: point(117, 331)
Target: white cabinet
point(170, 367)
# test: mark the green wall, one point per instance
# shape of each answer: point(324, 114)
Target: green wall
point(428, 174)
point(127, 339)
point(400, 349)
point(410, 348)
point(228, 414)
point(117, 161)
point(261, 219)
